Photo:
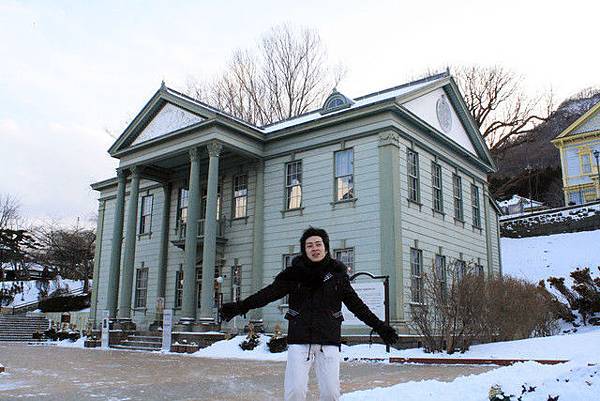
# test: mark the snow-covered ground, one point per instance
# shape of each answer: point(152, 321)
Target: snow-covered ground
point(570, 382)
point(534, 259)
point(577, 380)
point(582, 346)
point(537, 258)
point(31, 290)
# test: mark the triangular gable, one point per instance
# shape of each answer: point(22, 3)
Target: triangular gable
point(436, 109)
point(589, 121)
point(170, 118)
point(164, 113)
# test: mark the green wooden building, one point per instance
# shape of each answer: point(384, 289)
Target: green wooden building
point(206, 208)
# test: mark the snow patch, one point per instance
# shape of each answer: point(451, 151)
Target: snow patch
point(538, 258)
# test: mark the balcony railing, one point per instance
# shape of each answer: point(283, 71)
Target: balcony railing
point(201, 225)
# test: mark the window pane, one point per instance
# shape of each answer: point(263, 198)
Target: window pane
point(294, 173)
point(458, 203)
point(178, 288)
point(346, 256)
point(343, 163)
point(293, 183)
point(345, 188)
point(436, 183)
point(240, 207)
point(183, 197)
point(586, 163)
point(416, 264)
point(475, 206)
point(294, 196)
point(240, 196)
point(141, 284)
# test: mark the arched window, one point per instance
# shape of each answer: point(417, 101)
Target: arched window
point(335, 101)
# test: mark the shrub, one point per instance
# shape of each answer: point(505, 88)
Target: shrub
point(252, 339)
point(584, 295)
point(463, 307)
point(277, 343)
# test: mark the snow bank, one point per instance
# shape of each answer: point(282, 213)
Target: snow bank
point(583, 347)
point(537, 258)
point(231, 349)
point(571, 381)
point(31, 291)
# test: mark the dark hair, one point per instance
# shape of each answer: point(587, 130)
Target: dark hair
point(311, 232)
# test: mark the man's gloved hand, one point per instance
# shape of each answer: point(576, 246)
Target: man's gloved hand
point(230, 310)
point(387, 333)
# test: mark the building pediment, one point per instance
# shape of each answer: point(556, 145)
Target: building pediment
point(165, 114)
point(170, 118)
point(442, 111)
point(436, 109)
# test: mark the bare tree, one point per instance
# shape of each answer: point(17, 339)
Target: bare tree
point(9, 211)
point(499, 106)
point(286, 75)
point(70, 252)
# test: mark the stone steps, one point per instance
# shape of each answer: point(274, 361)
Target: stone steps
point(140, 343)
point(20, 327)
point(135, 347)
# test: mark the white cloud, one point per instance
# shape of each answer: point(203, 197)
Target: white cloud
point(51, 167)
point(75, 70)
point(8, 126)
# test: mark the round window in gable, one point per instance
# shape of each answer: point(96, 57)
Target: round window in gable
point(444, 114)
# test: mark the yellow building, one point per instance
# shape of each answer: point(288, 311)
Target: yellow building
point(579, 147)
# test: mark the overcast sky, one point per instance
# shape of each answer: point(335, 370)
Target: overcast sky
point(71, 71)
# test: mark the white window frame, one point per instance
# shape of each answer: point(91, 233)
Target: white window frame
point(437, 188)
point(416, 270)
point(412, 172)
point(141, 287)
point(475, 206)
point(293, 185)
point(240, 196)
point(146, 215)
point(459, 213)
point(343, 183)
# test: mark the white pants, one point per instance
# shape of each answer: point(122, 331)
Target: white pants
point(327, 364)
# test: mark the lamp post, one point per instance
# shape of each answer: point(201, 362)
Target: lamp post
point(597, 156)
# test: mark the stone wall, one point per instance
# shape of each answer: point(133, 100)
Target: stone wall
point(553, 221)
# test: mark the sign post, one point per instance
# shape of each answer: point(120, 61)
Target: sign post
point(105, 338)
point(167, 329)
point(376, 295)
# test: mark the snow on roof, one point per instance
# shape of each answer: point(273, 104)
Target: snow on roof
point(371, 98)
point(358, 102)
point(210, 108)
point(517, 199)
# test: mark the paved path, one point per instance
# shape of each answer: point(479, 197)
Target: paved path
point(55, 373)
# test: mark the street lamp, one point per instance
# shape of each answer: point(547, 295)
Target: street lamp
point(597, 156)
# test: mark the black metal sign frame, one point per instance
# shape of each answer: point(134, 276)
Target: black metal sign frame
point(386, 296)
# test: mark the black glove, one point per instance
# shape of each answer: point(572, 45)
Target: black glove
point(387, 333)
point(230, 310)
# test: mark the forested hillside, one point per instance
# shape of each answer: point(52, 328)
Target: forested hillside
point(536, 151)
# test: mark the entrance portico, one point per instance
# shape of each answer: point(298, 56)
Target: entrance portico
point(149, 150)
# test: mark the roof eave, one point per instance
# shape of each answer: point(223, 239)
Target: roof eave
point(100, 185)
point(213, 122)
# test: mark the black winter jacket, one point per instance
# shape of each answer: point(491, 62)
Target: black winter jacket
point(316, 292)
